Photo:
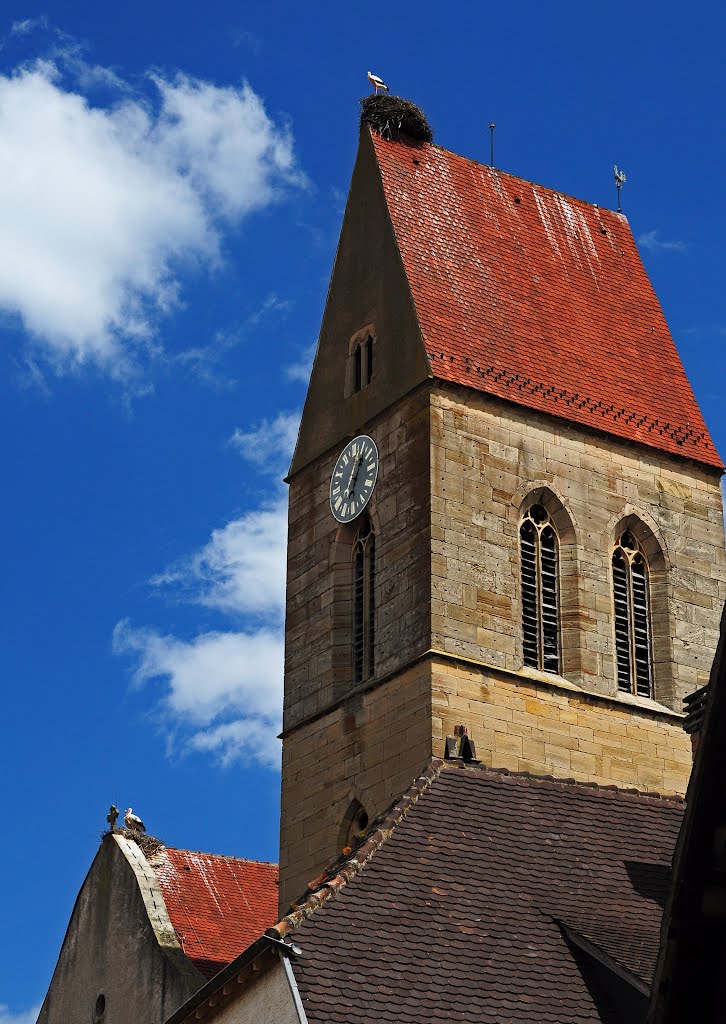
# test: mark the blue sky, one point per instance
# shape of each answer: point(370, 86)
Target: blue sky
point(172, 181)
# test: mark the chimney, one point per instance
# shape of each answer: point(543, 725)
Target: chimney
point(459, 747)
point(694, 706)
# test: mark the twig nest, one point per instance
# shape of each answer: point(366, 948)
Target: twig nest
point(393, 117)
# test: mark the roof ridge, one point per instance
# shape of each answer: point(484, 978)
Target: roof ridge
point(508, 174)
point(382, 828)
point(223, 856)
point(580, 783)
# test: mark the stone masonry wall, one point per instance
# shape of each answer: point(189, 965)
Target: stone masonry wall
point(531, 725)
point(368, 749)
point(487, 457)
point(318, 661)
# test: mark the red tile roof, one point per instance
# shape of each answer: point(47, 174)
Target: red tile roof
point(217, 905)
point(469, 887)
point(537, 298)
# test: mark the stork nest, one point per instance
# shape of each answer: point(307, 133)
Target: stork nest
point(149, 845)
point(393, 117)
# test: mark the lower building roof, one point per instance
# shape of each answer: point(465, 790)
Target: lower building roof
point(492, 897)
point(218, 905)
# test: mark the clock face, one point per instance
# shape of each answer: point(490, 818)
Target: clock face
point(354, 478)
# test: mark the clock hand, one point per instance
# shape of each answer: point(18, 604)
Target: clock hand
point(353, 476)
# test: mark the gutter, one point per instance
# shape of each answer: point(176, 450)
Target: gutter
point(294, 990)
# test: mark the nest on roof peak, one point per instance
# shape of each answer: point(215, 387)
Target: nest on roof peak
point(149, 845)
point(393, 117)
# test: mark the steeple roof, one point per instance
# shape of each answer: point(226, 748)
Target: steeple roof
point(537, 298)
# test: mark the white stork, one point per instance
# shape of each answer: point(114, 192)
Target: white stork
point(377, 82)
point(133, 822)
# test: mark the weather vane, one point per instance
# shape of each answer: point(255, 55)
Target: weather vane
point(619, 179)
point(492, 126)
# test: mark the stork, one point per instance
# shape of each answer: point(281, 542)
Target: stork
point(133, 822)
point(377, 82)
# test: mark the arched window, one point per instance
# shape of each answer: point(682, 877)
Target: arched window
point(362, 356)
point(354, 823)
point(539, 568)
point(364, 602)
point(631, 602)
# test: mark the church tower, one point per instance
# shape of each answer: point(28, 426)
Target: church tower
point(536, 549)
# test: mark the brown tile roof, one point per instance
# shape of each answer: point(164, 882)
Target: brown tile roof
point(458, 912)
point(537, 298)
point(217, 905)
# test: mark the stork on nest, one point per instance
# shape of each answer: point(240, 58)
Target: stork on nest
point(393, 117)
point(133, 822)
point(377, 83)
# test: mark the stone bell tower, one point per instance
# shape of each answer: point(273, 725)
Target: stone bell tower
point(542, 554)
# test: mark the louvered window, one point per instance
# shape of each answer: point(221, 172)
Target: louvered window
point(632, 617)
point(540, 615)
point(364, 607)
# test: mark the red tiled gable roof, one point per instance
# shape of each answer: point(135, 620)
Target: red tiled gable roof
point(217, 905)
point(537, 298)
point(459, 911)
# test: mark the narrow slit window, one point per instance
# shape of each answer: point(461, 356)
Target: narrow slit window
point(539, 562)
point(357, 368)
point(361, 357)
point(631, 603)
point(364, 632)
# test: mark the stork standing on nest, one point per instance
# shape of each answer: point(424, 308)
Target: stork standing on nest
point(377, 83)
point(133, 822)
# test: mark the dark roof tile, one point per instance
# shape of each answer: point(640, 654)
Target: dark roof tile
point(471, 885)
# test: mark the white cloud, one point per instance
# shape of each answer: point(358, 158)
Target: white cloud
point(241, 570)
point(22, 1017)
point(101, 206)
point(242, 740)
point(222, 690)
point(300, 369)
point(650, 240)
point(213, 675)
point(270, 444)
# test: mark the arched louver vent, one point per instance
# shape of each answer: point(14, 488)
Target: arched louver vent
point(364, 634)
point(632, 617)
point(539, 574)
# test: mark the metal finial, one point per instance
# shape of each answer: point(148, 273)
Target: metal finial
point(112, 817)
point(492, 126)
point(619, 179)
